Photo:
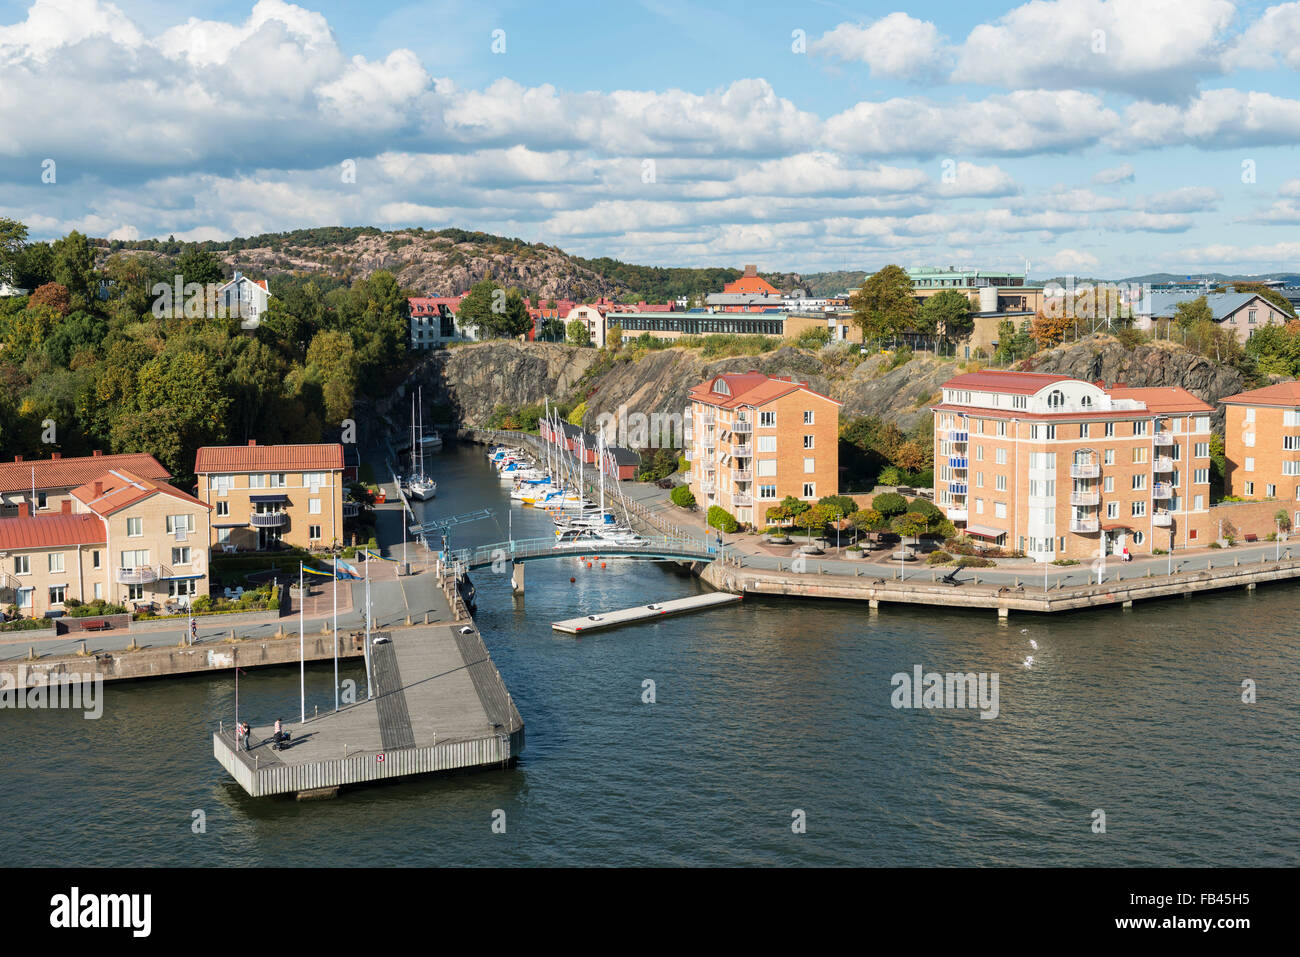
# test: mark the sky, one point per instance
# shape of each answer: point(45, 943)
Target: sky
point(1087, 137)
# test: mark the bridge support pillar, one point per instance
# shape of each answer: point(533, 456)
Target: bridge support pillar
point(517, 577)
point(1003, 611)
point(873, 606)
point(1127, 606)
point(1250, 586)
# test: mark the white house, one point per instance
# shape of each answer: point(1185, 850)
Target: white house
point(245, 298)
point(6, 291)
point(594, 320)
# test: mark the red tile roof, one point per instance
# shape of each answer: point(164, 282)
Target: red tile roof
point(120, 488)
point(1163, 399)
point(71, 472)
point(51, 531)
point(1282, 394)
point(992, 380)
point(750, 388)
point(752, 284)
point(275, 458)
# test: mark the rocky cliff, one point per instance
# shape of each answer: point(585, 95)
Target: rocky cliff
point(473, 379)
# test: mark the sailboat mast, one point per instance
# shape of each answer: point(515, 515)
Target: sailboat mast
point(420, 406)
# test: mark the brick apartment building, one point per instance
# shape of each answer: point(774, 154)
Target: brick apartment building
point(1061, 468)
point(1262, 442)
point(753, 439)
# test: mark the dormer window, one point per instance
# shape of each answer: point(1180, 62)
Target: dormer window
point(721, 387)
point(1086, 401)
point(1055, 399)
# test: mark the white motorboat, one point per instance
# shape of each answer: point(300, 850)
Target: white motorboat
point(421, 488)
point(418, 485)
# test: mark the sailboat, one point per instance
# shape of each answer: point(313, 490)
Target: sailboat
point(418, 485)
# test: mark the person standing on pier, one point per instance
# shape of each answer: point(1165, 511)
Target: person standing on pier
point(248, 733)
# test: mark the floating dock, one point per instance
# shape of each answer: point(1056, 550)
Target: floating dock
point(631, 616)
point(439, 704)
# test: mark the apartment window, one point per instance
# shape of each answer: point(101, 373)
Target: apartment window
point(1139, 428)
point(809, 489)
point(1198, 502)
point(315, 479)
point(134, 527)
point(1138, 537)
point(767, 491)
point(1110, 430)
point(1139, 482)
point(1108, 483)
point(1000, 483)
point(26, 597)
point(1201, 476)
point(56, 561)
point(134, 592)
point(767, 443)
point(222, 484)
point(1251, 314)
point(1139, 455)
point(808, 417)
point(1250, 415)
point(1002, 426)
point(1108, 457)
point(137, 558)
point(1083, 430)
point(1291, 468)
point(1270, 491)
point(22, 564)
point(1019, 402)
point(99, 589)
point(313, 532)
point(1051, 431)
point(767, 420)
point(1202, 450)
point(94, 559)
point(1112, 509)
point(1202, 423)
point(1248, 439)
point(223, 535)
point(767, 467)
point(275, 480)
point(181, 556)
point(808, 441)
point(313, 506)
point(999, 509)
point(223, 509)
point(979, 479)
point(1138, 509)
point(181, 589)
point(809, 466)
point(1250, 463)
point(257, 481)
point(979, 453)
point(979, 506)
point(1000, 456)
point(1250, 488)
point(183, 522)
point(57, 593)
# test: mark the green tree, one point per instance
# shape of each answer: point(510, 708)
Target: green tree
point(885, 305)
point(480, 308)
point(552, 330)
point(947, 315)
point(74, 267)
point(910, 525)
point(199, 265)
point(331, 361)
point(1187, 314)
point(178, 405)
point(578, 334)
point(13, 240)
point(682, 496)
point(889, 504)
point(718, 517)
point(515, 321)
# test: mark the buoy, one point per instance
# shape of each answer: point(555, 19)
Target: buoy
point(572, 580)
point(602, 564)
point(588, 564)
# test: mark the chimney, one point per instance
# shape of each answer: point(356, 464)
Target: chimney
point(751, 271)
point(67, 506)
point(98, 452)
point(18, 458)
point(99, 488)
point(252, 441)
point(24, 510)
point(56, 455)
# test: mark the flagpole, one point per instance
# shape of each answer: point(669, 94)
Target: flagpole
point(336, 632)
point(367, 622)
point(302, 650)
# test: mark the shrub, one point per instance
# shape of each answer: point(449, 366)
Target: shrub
point(719, 517)
point(1066, 561)
point(889, 504)
point(938, 558)
point(972, 561)
point(891, 475)
point(682, 496)
point(202, 603)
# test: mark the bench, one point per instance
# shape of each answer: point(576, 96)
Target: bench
point(1252, 537)
point(97, 625)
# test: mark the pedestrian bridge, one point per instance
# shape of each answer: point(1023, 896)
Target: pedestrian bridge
point(535, 549)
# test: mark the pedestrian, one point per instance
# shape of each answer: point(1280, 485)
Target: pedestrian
point(248, 733)
point(194, 631)
point(239, 736)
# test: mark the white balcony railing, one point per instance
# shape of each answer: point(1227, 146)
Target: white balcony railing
point(742, 475)
point(741, 498)
point(956, 514)
point(742, 425)
point(1162, 490)
point(1084, 526)
point(743, 451)
point(1162, 519)
point(268, 519)
point(1163, 463)
point(1085, 471)
point(1163, 439)
point(138, 575)
point(1085, 498)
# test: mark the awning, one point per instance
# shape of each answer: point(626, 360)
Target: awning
point(268, 498)
point(983, 531)
point(232, 525)
point(179, 578)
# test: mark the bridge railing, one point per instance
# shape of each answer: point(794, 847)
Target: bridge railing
point(520, 549)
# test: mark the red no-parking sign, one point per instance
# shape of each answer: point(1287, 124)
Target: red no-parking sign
point(379, 758)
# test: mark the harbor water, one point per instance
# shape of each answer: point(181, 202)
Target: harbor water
point(700, 740)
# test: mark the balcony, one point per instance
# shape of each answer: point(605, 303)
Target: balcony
point(688, 477)
point(351, 509)
point(957, 488)
point(958, 462)
point(268, 519)
point(707, 418)
point(1163, 463)
point(1085, 498)
point(1162, 519)
point(1085, 471)
point(689, 454)
point(959, 436)
point(1162, 490)
point(742, 425)
point(710, 466)
point(688, 433)
point(139, 575)
point(1163, 440)
point(1084, 526)
point(956, 514)
point(741, 498)
point(742, 475)
point(708, 487)
point(743, 451)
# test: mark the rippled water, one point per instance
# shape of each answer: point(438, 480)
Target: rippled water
point(762, 708)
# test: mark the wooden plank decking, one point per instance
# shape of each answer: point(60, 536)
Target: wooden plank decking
point(631, 616)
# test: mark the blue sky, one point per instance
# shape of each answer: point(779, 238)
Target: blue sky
point(1095, 137)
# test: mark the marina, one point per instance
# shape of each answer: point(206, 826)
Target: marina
point(650, 612)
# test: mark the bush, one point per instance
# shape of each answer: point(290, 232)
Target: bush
point(719, 517)
point(889, 504)
point(95, 609)
point(1066, 561)
point(682, 497)
point(201, 604)
point(938, 558)
point(971, 561)
point(813, 338)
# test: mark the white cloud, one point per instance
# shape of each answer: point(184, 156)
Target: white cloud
point(1290, 188)
point(1260, 258)
point(895, 46)
point(1115, 174)
point(968, 179)
point(1276, 34)
point(1213, 120)
point(1071, 261)
point(1143, 222)
point(1155, 49)
point(1186, 199)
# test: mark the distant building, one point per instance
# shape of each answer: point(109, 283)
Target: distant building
point(751, 283)
point(1262, 442)
point(1240, 312)
point(45, 484)
point(753, 439)
point(246, 298)
point(7, 291)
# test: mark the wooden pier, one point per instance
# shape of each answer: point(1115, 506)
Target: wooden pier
point(439, 704)
point(641, 613)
